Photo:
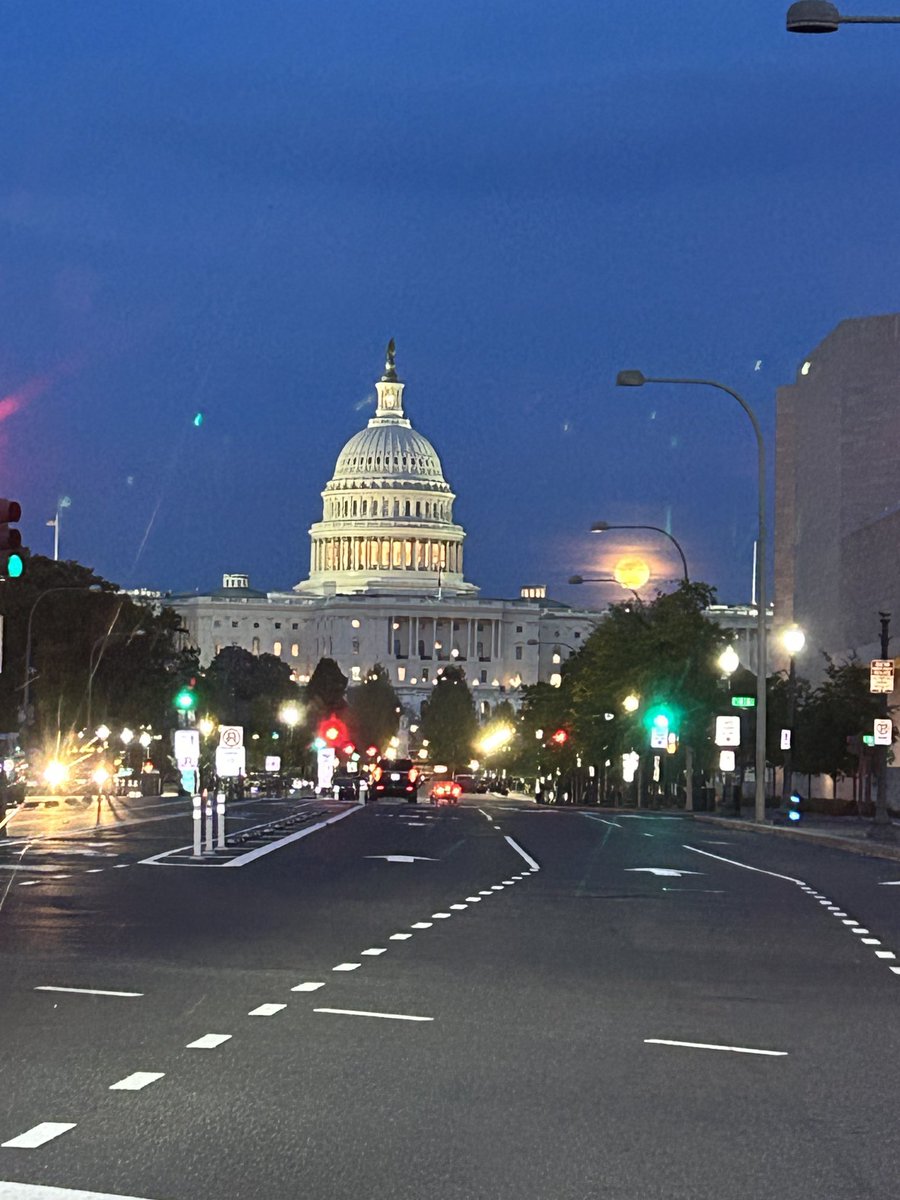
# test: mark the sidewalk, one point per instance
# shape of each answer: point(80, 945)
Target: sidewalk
point(841, 833)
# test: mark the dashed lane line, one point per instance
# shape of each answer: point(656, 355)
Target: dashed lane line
point(713, 1046)
point(266, 1010)
point(209, 1041)
point(39, 1134)
point(136, 1081)
point(359, 1012)
point(307, 987)
point(48, 987)
point(346, 966)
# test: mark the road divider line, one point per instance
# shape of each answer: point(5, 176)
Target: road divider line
point(359, 1012)
point(209, 1041)
point(473, 899)
point(712, 1046)
point(734, 863)
point(374, 951)
point(136, 1081)
point(266, 1010)
point(422, 925)
point(48, 987)
point(307, 987)
point(39, 1134)
point(346, 966)
point(603, 821)
point(399, 937)
point(524, 853)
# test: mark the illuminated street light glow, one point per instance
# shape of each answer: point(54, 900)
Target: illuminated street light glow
point(126, 735)
point(56, 773)
point(496, 738)
point(729, 661)
point(631, 703)
point(793, 640)
point(102, 732)
point(206, 725)
point(290, 714)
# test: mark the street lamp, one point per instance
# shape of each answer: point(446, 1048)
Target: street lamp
point(26, 686)
point(604, 526)
point(95, 666)
point(882, 829)
point(556, 657)
point(819, 16)
point(603, 579)
point(638, 379)
point(793, 640)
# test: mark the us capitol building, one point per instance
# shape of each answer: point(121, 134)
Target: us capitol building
point(386, 583)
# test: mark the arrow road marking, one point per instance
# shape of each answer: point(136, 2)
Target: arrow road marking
point(663, 871)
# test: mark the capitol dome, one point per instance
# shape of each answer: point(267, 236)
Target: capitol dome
point(387, 518)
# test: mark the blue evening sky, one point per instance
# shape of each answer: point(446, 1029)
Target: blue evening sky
point(230, 207)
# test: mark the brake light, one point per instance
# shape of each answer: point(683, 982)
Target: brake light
point(413, 775)
point(377, 773)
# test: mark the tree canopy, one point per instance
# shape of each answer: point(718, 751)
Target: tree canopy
point(373, 712)
point(448, 719)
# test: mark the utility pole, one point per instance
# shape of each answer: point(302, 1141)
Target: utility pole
point(882, 828)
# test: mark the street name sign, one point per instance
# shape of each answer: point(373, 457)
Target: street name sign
point(883, 731)
point(187, 749)
point(231, 736)
point(728, 731)
point(658, 738)
point(785, 739)
point(726, 761)
point(743, 702)
point(881, 675)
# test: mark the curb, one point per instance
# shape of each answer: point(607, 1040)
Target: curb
point(870, 849)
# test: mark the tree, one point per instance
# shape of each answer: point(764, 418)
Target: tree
point(240, 688)
point(448, 719)
point(326, 690)
point(840, 707)
point(373, 715)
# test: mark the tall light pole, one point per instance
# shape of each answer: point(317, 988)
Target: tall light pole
point(638, 379)
point(793, 640)
point(603, 579)
point(95, 666)
point(26, 685)
point(882, 829)
point(603, 526)
point(63, 502)
point(819, 16)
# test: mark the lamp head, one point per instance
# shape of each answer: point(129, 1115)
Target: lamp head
point(812, 16)
point(600, 526)
point(729, 661)
point(630, 379)
point(794, 639)
point(576, 579)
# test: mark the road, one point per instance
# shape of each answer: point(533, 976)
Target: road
point(495, 1001)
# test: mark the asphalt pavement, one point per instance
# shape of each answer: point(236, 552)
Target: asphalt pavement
point(490, 1001)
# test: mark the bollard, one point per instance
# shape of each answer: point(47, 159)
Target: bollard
point(220, 819)
point(198, 849)
point(209, 827)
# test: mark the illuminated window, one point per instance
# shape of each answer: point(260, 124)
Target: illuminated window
point(295, 650)
point(356, 674)
point(401, 674)
point(354, 623)
point(276, 648)
point(356, 645)
point(255, 645)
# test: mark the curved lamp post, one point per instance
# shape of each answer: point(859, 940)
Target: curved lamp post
point(602, 579)
point(819, 16)
point(603, 526)
point(638, 379)
point(26, 686)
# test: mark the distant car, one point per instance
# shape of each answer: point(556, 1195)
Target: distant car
point(347, 785)
point(445, 791)
point(396, 777)
point(467, 783)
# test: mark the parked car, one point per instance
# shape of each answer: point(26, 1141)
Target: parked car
point(396, 777)
point(445, 791)
point(467, 783)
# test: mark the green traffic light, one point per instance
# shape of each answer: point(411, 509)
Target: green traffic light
point(662, 718)
point(185, 700)
point(15, 566)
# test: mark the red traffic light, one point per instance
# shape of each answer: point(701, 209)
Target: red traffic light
point(560, 737)
point(333, 731)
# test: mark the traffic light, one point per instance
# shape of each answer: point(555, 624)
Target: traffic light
point(12, 564)
point(794, 807)
point(331, 732)
point(186, 699)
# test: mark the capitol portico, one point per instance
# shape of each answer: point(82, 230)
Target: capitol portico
point(386, 582)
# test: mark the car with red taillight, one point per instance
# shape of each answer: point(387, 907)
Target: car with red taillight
point(396, 777)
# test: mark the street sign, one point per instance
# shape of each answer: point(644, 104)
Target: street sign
point(325, 763)
point(187, 749)
point(231, 736)
point(881, 675)
point(231, 761)
point(728, 731)
point(743, 702)
point(658, 738)
point(726, 761)
point(785, 739)
point(883, 731)
point(273, 762)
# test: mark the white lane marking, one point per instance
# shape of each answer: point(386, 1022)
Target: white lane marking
point(486, 892)
point(347, 966)
point(458, 907)
point(859, 930)
point(896, 970)
point(733, 862)
point(422, 925)
point(871, 941)
point(828, 902)
point(662, 871)
point(704, 891)
point(117, 867)
point(399, 937)
point(885, 954)
point(307, 987)
point(359, 1012)
point(710, 842)
point(60, 876)
point(136, 1081)
point(509, 882)
point(849, 921)
point(711, 1046)
point(647, 835)
point(497, 827)
point(591, 817)
point(209, 1041)
point(30, 882)
point(496, 887)
point(375, 950)
point(890, 883)
point(48, 987)
point(440, 916)
point(473, 899)
point(39, 1134)
point(839, 913)
point(94, 870)
point(407, 858)
point(266, 1010)
point(38, 1191)
point(486, 816)
point(518, 877)
point(242, 859)
point(518, 849)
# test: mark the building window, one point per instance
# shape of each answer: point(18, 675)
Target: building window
point(276, 648)
point(484, 676)
point(577, 633)
point(424, 674)
point(356, 645)
point(295, 625)
point(295, 650)
point(278, 626)
point(518, 652)
point(401, 674)
point(356, 674)
point(256, 624)
point(519, 630)
point(234, 624)
point(255, 645)
point(216, 624)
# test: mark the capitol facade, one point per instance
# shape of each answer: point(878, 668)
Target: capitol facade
point(386, 583)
